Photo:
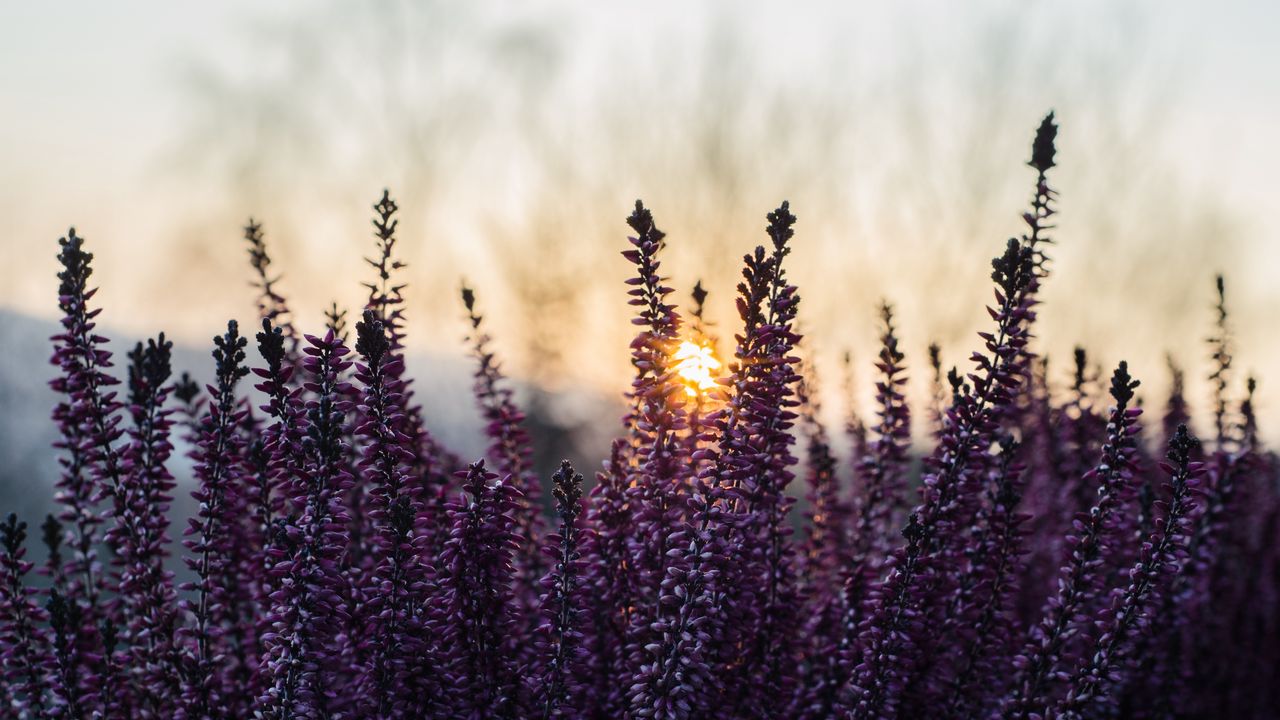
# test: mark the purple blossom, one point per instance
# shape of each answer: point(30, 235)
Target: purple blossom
point(894, 629)
point(306, 606)
point(343, 568)
point(473, 614)
point(22, 639)
point(652, 470)
point(272, 305)
point(990, 622)
point(1066, 615)
point(609, 577)
point(212, 541)
point(1159, 560)
point(141, 536)
point(87, 417)
point(71, 677)
point(559, 687)
point(510, 452)
point(825, 548)
point(387, 612)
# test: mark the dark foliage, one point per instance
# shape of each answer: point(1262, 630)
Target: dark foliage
point(1039, 564)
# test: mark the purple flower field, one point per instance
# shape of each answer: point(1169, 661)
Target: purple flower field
point(1042, 553)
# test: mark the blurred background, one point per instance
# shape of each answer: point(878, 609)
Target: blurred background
point(516, 137)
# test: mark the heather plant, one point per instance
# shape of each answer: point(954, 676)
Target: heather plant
point(510, 451)
point(735, 557)
point(1065, 617)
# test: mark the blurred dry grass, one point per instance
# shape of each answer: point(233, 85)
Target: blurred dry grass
point(516, 140)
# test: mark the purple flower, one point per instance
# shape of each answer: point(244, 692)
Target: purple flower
point(306, 605)
point(558, 683)
point(893, 630)
point(988, 625)
point(653, 469)
point(141, 535)
point(767, 379)
point(87, 417)
point(272, 306)
point(23, 651)
point(731, 559)
point(70, 676)
point(432, 463)
point(472, 614)
point(609, 575)
point(215, 639)
point(510, 452)
point(825, 549)
point(1083, 578)
point(343, 568)
point(387, 613)
point(1130, 615)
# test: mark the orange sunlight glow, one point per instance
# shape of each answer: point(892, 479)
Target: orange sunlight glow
point(696, 365)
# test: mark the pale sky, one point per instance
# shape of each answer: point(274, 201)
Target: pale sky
point(107, 122)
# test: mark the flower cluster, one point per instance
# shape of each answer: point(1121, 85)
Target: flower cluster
point(1030, 558)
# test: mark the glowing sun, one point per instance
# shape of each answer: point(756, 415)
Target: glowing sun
point(696, 365)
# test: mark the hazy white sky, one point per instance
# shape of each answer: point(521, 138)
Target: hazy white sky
point(91, 91)
point(98, 105)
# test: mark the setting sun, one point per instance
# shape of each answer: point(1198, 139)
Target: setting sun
point(696, 365)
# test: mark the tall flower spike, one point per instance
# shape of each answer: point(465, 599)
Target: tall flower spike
point(510, 452)
point(191, 400)
point(283, 437)
point(1038, 219)
point(772, 378)
point(884, 468)
point(1082, 578)
point(1176, 409)
point(433, 464)
point(389, 593)
point(703, 400)
point(1082, 425)
point(87, 417)
point(473, 616)
point(989, 629)
point(211, 535)
point(66, 621)
point(937, 390)
point(1198, 597)
point(385, 297)
point(893, 627)
point(1089, 692)
point(855, 428)
point(609, 576)
point(560, 637)
point(826, 529)
point(1041, 435)
point(23, 655)
point(1221, 345)
point(735, 567)
point(141, 535)
point(307, 608)
point(275, 460)
point(272, 305)
point(880, 491)
point(658, 416)
point(826, 553)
